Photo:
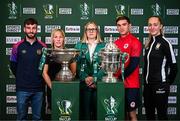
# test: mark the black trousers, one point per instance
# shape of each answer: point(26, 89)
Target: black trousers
point(156, 97)
point(88, 104)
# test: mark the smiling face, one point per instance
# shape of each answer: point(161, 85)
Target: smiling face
point(123, 27)
point(57, 39)
point(154, 26)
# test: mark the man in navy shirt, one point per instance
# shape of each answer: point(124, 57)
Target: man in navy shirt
point(24, 62)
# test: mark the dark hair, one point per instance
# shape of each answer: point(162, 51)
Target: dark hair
point(123, 18)
point(30, 21)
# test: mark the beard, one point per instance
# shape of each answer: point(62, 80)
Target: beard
point(31, 35)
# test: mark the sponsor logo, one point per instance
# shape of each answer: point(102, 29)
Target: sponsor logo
point(176, 52)
point(173, 41)
point(143, 111)
point(72, 29)
point(65, 10)
point(85, 11)
point(11, 99)
point(156, 9)
point(48, 40)
point(171, 29)
point(39, 28)
point(39, 38)
point(12, 40)
point(49, 28)
point(13, 28)
point(136, 11)
point(135, 29)
point(173, 12)
point(29, 110)
point(101, 11)
point(145, 39)
point(172, 111)
point(29, 10)
point(48, 11)
point(143, 51)
point(8, 51)
point(145, 30)
point(173, 89)
point(11, 110)
point(120, 9)
point(106, 39)
point(110, 29)
point(12, 10)
point(72, 40)
point(172, 100)
point(140, 70)
point(10, 88)
point(11, 75)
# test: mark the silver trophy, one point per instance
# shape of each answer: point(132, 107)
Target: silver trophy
point(63, 56)
point(110, 59)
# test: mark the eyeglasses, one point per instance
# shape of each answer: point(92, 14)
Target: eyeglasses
point(91, 30)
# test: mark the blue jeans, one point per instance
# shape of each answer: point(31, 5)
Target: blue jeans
point(23, 101)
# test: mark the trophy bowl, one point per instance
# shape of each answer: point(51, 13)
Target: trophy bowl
point(63, 57)
point(110, 61)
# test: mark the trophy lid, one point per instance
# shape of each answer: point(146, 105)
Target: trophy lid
point(110, 46)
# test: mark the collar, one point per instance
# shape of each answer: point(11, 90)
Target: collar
point(126, 37)
point(29, 42)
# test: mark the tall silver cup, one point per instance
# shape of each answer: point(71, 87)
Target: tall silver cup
point(110, 59)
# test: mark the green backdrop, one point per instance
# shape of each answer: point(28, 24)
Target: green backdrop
point(71, 15)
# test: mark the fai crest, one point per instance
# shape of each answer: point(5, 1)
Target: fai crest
point(12, 10)
point(48, 11)
point(156, 9)
point(85, 11)
point(120, 9)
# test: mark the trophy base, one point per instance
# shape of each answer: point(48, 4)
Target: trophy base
point(109, 79)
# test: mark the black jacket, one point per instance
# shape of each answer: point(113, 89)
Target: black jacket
point(159, 62)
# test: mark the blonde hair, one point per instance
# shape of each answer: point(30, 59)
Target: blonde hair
point(147, 42)
point(52, 36)
point(85, 38)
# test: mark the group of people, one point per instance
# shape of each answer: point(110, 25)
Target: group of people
point(160, 69)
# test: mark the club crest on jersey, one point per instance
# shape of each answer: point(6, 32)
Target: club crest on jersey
point(39, 51)
point(157, 46)
point(132, 104)
point(126, 46)
point(23, 51)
